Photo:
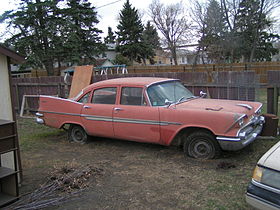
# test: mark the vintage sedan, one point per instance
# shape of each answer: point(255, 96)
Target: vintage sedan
point(154, 110)
point(263, 191)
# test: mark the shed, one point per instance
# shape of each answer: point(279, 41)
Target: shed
point(10, 164)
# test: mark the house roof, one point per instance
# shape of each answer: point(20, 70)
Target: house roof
point(16, 58)
point(100, 62)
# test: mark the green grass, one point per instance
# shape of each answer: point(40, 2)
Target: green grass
point(32, 135)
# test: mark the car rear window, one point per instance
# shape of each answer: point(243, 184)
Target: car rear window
point(133, 96)
point(104, 96)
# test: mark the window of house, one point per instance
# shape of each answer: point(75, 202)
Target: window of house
point(183, 59)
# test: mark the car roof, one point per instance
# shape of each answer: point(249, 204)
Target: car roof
point(271, 158)
point(141, 81)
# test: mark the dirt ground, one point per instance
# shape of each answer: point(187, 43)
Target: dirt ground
point(136, 175)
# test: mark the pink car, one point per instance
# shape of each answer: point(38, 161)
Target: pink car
point(154, 110)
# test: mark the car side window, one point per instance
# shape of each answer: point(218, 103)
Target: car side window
point(84, 99)
point(104, 95)
point(133, 96)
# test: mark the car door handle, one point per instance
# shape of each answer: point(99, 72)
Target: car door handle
point(118, 109)
point(86, 107)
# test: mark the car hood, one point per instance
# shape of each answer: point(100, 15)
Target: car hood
point(233, 106)
point(271, 158)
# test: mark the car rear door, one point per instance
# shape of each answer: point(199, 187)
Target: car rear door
point(97, 113)
point(134, 119)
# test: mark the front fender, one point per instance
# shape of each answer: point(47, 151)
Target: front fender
point(216, 122)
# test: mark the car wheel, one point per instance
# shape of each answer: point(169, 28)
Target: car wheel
point(201, 145)
point(77, 134)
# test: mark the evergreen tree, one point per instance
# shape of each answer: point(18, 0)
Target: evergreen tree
point(130, 34)
point(151, 40)
point(47, 33)
point(265, 49)
point(110, 38)
point(251, 26)
point(213, 32)
point(82, 40)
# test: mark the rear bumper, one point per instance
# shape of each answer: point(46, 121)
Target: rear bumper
point(38, 119)
point(246, 136)
point(261, 198)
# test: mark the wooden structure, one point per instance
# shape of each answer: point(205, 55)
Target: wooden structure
point(273, 91)
point(10, 164)
point(8, 173)
point(82, 77)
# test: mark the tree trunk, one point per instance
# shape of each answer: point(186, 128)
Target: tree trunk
point(256, 38)
point(174, 54)
point(49, 67)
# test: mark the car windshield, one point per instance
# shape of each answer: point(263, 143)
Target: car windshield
point(168, 92)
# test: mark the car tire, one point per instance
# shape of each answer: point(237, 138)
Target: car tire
point(201, 145)
point(77, 134)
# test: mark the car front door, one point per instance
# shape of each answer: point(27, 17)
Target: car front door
point(134, 119)
point(97, 113)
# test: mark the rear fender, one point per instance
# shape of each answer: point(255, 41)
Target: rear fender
point(73, 123)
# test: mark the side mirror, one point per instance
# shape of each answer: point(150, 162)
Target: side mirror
point(202, 94)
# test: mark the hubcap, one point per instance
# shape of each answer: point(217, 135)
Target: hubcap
point(202, 148)
point(77, 135)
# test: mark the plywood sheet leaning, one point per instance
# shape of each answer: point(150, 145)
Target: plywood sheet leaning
point(81, 79)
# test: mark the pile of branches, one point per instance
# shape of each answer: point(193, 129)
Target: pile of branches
point(63, 183)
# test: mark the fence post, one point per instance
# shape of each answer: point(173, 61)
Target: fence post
point(275, 98)
point(272, 100)
point(17, 97)
point(59, 90)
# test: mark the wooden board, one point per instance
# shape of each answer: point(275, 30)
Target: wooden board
point(81, 79)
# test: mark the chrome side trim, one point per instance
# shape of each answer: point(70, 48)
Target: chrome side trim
point(266, 187)
point(122, 120)
point(106, 119)
point(127, 120)
point(63, 113)
point(247, 106)
point(148, 122)
point(258, 108)
point(221, 138)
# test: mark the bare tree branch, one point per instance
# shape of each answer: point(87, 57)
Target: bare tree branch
point(171, 21)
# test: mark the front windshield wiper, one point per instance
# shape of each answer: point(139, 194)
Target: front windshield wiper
point(183, 98)
point(180, 99)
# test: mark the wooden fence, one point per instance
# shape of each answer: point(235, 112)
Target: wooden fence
point(36, 86)
point(225, 85)
point(260, 68)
